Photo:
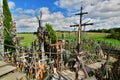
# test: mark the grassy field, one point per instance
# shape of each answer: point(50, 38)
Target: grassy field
point(102, 37)
point(28, 38)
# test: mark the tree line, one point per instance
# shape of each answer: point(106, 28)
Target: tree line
point(105, 30)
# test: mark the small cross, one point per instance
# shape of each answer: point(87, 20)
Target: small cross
point(57, 44)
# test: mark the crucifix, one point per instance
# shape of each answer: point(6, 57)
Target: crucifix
point(80, 28)
point(57, 44)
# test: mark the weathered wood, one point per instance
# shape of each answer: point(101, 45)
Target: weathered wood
point(71, 75)
point(63, 76)
point(90, 78)
point(93, 66)
point(2, 63)
point(6, 69)
point(13, 76)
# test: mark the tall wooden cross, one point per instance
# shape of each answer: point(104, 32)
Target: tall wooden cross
point(57, 44)
point(80, 27)
point(79, 36)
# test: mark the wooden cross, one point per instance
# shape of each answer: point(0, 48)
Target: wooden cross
point(79, 37)
point(80, 27)
point(57, 47)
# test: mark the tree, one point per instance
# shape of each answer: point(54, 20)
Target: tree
point(51, 33)
point(114, 34)
point(7, 20)
point(51, 36)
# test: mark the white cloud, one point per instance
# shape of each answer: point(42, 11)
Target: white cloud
point(25, 21)
point(104, 13)
point(11, 4)
point(29, 23)
point(68, 4)
point(30, 11)
point(19, 9)
point(27, 11)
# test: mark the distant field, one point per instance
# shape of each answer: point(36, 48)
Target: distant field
point(71, 35)
point(28, 38)
point(102, 37)
point(92, 35)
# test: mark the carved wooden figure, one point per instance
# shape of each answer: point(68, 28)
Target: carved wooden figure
point(41, 69)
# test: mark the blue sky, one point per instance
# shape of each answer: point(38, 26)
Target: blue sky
point(36, 4)
point(60, 13)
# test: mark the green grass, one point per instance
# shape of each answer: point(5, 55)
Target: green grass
point(101, 37)
point(93, 35)
point(28, 38)
point(67, 35)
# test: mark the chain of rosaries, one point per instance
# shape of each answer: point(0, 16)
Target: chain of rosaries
point(14, 35)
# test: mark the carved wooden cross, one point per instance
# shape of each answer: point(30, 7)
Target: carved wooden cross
point(57, 44)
